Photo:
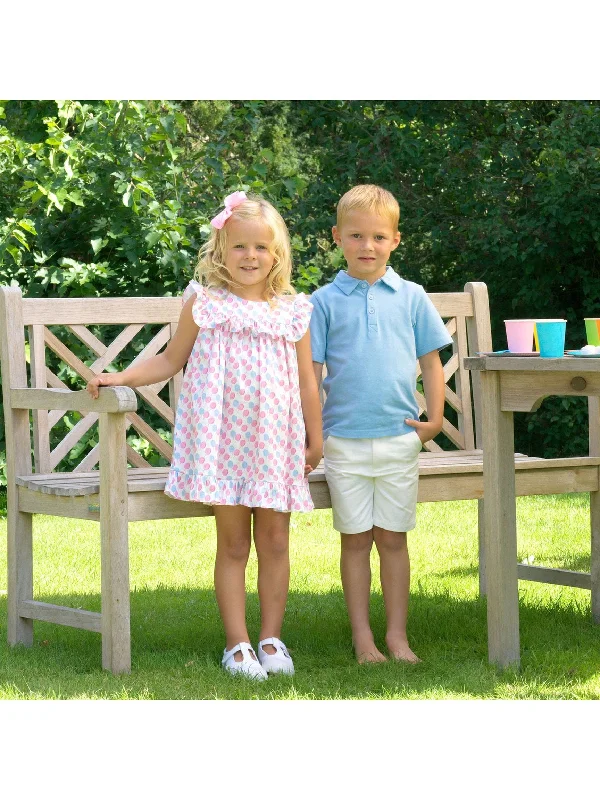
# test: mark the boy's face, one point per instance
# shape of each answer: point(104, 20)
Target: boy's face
point(366, 239)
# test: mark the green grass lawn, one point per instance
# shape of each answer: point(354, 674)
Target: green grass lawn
point(177, 640)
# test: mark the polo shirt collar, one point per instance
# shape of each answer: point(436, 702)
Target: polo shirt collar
point(392, 279)
point(347, 283)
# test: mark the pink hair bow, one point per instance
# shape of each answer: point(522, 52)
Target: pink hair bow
point(231, 201)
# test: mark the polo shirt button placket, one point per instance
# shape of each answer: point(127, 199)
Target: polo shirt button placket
point(372, 324)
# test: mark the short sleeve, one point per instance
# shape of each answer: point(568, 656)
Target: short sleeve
point(208, 310)
point(192, 288)
point(318, 332)
point(430, 331)
point(301, 312)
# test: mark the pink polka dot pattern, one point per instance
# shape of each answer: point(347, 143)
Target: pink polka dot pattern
point(239, 433)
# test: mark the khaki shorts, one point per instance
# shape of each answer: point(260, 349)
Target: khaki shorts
point(373, 482)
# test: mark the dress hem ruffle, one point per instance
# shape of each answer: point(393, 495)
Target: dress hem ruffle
point(210, 490)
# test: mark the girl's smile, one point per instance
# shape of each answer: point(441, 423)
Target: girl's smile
point(248, 257)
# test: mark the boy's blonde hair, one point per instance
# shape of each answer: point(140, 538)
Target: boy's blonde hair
point(211, 270)
point(368, 197)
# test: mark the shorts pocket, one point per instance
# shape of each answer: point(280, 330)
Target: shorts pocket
point(332, 446)
point(415, 443)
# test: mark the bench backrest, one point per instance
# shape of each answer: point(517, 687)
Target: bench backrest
point(467, 318)
point(77, 338)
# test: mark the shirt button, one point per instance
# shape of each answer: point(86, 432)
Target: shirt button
point(371, 297)
point(371, 311)
point(364, 284)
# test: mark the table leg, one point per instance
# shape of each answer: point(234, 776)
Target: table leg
point(595, 559)
point(500, 528)
point(594, 418)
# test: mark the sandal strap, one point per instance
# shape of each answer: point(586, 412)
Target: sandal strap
point(277, 644)
point(244, 647)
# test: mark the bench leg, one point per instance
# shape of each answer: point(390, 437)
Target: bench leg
point(481, 536)
point(20, 575)
point(595, 554)
point(116, 636)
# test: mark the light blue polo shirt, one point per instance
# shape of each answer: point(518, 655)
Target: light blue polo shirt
point(370, 338)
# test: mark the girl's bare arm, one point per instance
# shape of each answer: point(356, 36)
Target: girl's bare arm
point(160, 367)
point(318, 370)
point(311, 406)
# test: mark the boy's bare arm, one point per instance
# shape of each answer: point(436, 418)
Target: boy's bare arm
point(434, 387)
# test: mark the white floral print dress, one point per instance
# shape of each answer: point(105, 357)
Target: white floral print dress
point(239, 432)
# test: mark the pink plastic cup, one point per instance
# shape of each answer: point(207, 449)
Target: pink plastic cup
point(519, 335)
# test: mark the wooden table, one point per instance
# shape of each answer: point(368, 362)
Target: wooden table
point(510, 384)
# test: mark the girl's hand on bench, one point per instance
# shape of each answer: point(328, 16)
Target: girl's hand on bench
point(425, 430)
point(93, 385)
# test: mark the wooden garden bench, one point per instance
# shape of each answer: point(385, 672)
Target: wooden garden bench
point(116, 493)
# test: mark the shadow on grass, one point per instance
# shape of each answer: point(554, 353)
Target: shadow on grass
point(569, 562)
point(456, 572)
point(177, 643)
point(577, 563)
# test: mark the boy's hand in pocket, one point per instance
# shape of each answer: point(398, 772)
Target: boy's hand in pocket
point(425, 430)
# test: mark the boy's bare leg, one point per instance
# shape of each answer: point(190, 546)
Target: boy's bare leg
point(355, 568)
point(395, 583)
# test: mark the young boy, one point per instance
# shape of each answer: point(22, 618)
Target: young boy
point(369, 327)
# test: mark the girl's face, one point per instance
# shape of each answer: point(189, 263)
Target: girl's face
point(248, 258)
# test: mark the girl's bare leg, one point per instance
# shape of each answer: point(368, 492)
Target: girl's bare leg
point(233, 549)
point(395, 582)
point(272, 542)
point(355, 567)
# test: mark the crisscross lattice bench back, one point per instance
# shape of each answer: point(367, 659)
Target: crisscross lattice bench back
point(70, 340)
point(80, 334)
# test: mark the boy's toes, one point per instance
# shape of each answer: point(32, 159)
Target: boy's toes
point(370, 657)
point(368, 653)
point(400, 651)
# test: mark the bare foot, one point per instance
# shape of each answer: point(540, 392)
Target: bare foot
point(400, 651)
point(367, 653)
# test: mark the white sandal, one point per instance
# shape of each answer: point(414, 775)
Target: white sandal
point(248, 666)
point(279, 661)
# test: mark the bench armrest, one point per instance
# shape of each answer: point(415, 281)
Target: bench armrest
point(116, 399)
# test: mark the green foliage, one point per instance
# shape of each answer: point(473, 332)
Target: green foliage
point(96, 200)
point(101, 198)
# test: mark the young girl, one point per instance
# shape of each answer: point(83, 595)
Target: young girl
point(248, 423)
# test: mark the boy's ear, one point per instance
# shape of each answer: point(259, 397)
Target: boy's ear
point(336, 236)
point(397, 238)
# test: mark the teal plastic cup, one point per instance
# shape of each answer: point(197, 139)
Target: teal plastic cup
point(551, 337)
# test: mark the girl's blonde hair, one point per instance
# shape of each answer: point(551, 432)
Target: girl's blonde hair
point(211, 270)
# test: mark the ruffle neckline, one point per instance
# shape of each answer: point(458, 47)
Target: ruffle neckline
point(213, 308)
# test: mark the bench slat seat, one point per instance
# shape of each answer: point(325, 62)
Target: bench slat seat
point(153, 479)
